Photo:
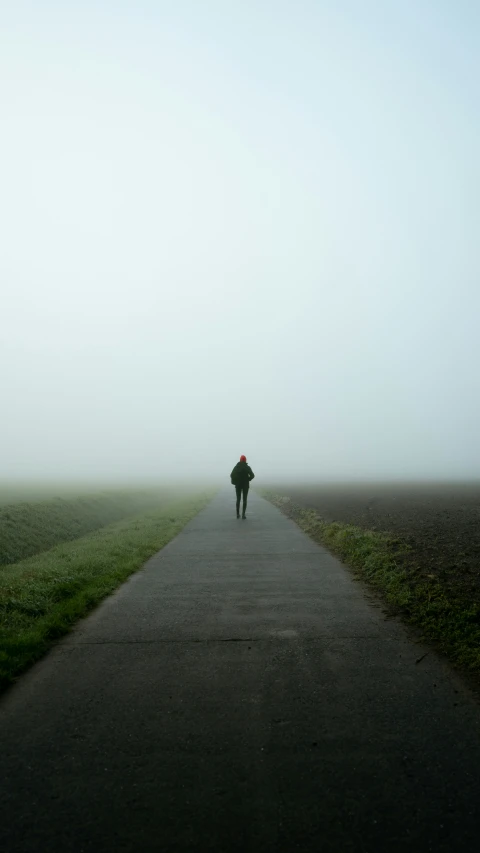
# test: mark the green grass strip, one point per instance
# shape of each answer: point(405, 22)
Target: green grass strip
point(444, 615)
point(42, 597)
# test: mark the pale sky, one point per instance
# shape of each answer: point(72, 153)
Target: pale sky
point(240, 227)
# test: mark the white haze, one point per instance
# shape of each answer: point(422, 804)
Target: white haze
point(239, 228)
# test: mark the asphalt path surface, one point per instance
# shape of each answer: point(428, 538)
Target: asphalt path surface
point(240, 693)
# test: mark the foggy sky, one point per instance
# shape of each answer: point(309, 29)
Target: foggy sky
point(239, 228)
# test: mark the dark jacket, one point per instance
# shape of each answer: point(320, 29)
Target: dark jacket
point(241, 474)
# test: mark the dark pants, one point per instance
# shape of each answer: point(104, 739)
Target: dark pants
point(242, 490)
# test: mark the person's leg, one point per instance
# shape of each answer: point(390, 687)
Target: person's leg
point(238, 490)
point(245, 496)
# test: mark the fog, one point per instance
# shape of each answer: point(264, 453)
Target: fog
point(240, 228)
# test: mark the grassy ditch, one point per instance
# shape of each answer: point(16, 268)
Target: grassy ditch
point(445, 615)
point(30, 527)
point(42, 597)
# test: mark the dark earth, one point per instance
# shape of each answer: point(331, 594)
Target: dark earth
point(440, 522)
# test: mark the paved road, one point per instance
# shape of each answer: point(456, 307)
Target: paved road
point(239, 694)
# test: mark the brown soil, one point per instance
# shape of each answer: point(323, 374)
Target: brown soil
point(440, 523)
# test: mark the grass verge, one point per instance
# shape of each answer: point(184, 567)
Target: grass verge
point(42, 597)
point(446, 617)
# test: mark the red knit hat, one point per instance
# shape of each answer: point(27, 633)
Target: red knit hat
point(243, 458)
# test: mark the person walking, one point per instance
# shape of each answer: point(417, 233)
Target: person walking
point(240, 477)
